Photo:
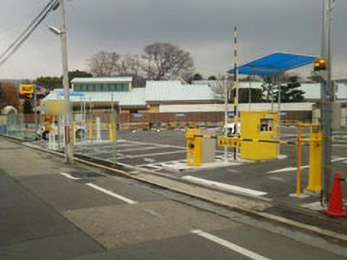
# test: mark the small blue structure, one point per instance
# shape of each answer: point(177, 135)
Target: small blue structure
point(274, 64)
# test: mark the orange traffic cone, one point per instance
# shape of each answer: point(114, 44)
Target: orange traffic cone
point(335, 204)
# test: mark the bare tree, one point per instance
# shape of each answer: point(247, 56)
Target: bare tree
point(104, 64)
point(130, 65)
point(165, 61)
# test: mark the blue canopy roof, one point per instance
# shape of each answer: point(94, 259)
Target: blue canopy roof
point(273, 64)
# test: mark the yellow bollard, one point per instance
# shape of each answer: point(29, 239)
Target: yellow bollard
point(110, 127)
point(194, 153)
point(91, 129)
point(315, 173)
point(74, 132)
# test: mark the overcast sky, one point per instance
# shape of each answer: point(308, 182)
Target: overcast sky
point(203, 27)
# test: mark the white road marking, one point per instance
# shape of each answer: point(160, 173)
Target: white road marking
point(151, 154)
point(144, 148)
point(69, 176)
point(223, 186)
point(159, 145)
point(227, 244)
point(232, 170)
point(277, 179)
point(161, 163)
point(338, 159)
point(129, 201)
point(288, 169)
point(150, 160)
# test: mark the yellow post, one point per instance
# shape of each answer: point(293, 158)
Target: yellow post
point(91, 129)
point(74, 132)
point(315, 173)
point(298, 179)
point(194, 152)
point(110, 127)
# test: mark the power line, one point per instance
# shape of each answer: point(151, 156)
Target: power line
point(52, 5)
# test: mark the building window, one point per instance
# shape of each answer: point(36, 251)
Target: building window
point(90, 87)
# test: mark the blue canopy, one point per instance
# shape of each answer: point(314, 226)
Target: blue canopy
point(273, 64)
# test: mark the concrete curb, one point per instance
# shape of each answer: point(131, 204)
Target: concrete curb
point(242, 205)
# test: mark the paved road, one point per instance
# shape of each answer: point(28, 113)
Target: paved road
point(53, 211)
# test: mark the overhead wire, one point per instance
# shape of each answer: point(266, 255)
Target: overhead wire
point(51, 5)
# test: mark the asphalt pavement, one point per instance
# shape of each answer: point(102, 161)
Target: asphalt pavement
point(50, 210)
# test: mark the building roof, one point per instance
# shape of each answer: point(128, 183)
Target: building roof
point(157, 91)
point(135, 97)
point(102, 80)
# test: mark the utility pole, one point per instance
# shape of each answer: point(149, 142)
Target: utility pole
point(327, 97)
point(67, 105)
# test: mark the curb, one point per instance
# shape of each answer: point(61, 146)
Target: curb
point(256, 211)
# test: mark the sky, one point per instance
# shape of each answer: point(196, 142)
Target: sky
point(202, 27)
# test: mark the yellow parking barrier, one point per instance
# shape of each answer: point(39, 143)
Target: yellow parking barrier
point(111, 130)
point(315, 173)
point(91, 129)
point(74, 129)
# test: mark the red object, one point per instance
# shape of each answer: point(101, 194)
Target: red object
point(335, 204)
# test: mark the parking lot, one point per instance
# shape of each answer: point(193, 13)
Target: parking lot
point(153, 151)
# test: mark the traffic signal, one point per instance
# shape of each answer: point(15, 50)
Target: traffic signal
point(320, 64)
point(26, 95)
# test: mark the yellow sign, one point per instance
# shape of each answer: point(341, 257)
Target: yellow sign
point(26, 89)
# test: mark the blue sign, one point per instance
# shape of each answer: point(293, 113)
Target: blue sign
point(230, 113)
point(283, 113)
point(138, 115)
point(180, 115)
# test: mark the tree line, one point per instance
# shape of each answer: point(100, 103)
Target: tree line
point(158, 61)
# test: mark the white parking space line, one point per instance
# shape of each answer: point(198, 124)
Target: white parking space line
point(115, 195)
point(150, 160)
point(223, 186)
point(277, 179)
point(161, 163)
point(337, 159)
point(151, 154)
point(68, 176)
point(143, 148)
point(159, 145)
point(289, 169)
point(227, 244)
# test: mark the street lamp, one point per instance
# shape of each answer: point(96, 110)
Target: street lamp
point(68, 113)
point(54, 30)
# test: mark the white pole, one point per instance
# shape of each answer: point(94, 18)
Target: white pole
point(279, 112)
point(225, 116)
point(98, 129)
